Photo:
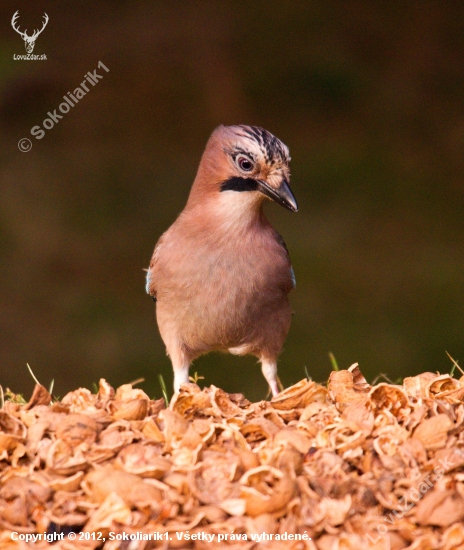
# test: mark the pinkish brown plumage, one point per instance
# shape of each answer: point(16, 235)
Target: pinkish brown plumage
point(221, 274)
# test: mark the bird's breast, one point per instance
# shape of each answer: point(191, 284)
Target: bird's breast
point(218, 290)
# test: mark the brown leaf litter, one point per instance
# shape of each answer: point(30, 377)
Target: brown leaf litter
point(350, 466)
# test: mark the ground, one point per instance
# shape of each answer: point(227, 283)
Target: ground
point(346, 465)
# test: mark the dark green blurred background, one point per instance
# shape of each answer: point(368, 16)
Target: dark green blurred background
point(369, 97)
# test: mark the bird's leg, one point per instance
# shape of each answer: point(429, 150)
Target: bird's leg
point(269, 369)
point(180, 365)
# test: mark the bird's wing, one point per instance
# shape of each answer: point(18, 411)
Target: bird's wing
point(281, 241)
point(150, 281)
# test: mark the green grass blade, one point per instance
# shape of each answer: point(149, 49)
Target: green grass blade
point(33, 375)
point(333, 361)
point(164, 391)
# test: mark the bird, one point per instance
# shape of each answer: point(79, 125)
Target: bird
point(221, 274)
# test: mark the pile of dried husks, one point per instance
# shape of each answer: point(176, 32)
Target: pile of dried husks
point(350, 466)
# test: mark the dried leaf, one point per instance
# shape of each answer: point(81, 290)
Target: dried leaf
point(343, 390)
point(135, 492)
point(441, 508)
point(266, 490)
point(433, 432)
point(40, 396)
point(300, 395)
point(76, 429)
point(130, 409)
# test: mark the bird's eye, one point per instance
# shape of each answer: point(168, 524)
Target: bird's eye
point(245, 164)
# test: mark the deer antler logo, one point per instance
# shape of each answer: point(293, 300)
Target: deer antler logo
point(29, 41)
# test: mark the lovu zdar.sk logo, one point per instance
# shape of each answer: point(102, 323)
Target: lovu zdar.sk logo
point(29, 41)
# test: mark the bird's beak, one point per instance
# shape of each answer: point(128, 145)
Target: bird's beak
point(282, 195)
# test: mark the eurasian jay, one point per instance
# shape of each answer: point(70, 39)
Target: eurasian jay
point(221, 273)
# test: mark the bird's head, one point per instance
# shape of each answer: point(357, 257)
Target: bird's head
point(244, 165)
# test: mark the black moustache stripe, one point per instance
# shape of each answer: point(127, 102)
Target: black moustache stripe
point(239, 184)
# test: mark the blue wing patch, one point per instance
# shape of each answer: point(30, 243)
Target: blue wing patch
point(148, 281)
point(292, 275)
